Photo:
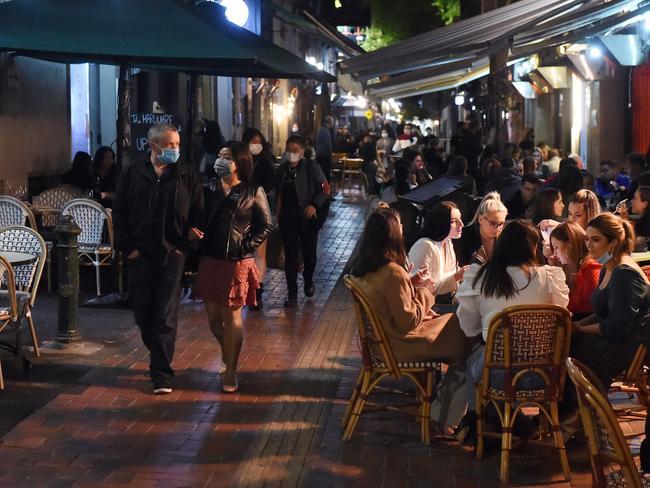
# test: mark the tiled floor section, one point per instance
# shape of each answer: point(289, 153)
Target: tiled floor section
point(282, 429)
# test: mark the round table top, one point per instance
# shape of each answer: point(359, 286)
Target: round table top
point(18, 258)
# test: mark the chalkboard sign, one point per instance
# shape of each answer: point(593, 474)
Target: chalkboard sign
point(140, 124)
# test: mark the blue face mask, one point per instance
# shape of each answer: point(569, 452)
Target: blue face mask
point(605, 258)
point(169, 155)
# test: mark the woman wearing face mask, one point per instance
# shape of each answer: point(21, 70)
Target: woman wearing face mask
point(264, 176)
point(477, 242)
point(433, 253)
point(302, 198)
point(620, 302)
point(568, 242)
point(239, 220)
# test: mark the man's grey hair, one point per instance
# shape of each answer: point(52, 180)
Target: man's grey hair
point(157, 130)
point(329, 120)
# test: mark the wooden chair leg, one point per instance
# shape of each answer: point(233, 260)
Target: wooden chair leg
point(358, 407)
point(506, 441)
point(559, 442)
point(2, 381)
point(353, 400)
point(427, 399)
point(480, 425)
point(32, 331)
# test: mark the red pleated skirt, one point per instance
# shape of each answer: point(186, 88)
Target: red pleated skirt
point(229, 283)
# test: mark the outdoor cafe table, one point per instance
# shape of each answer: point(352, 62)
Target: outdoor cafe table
point(429, 193)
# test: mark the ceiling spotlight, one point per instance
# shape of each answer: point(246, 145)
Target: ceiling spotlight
point(595, 52)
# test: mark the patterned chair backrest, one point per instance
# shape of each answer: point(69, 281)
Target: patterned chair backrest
point(8, 301)
point(611, 459)
point(91, 217)
point(26, 240)
point(529, 338)
point(15, 212)
point(58, 196)
point(375, 348)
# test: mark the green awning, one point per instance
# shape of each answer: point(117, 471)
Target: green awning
point(150, 34)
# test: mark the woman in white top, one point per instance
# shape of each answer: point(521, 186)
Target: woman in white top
point(433, 253)
point(514, 275)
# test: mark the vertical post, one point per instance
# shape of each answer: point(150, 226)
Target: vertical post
point(191, 115)
point(122, 111)
point(66, 233)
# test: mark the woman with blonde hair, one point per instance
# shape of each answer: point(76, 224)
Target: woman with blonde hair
point(583, 207)
point(477, 241)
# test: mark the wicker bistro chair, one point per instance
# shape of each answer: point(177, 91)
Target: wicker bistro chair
point(27, 276)
point(93, 219)
point(611, 460)
point(379, 363)
point(15, 212)
point(47, 207)
point(10, 305)
point(525, 339)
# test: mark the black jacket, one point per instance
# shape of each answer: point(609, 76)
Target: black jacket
point(155, 215)
point(263, 172)
point(237, 223)
point(310, 186)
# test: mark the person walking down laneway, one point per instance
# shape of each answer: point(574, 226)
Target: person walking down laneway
point(238, 222)
point(302, 203)
point(324, 143)
point(158, 210)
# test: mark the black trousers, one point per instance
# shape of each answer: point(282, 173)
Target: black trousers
point(155, 296)
point(295, 238)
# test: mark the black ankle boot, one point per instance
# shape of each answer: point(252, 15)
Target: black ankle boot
point(258, 298)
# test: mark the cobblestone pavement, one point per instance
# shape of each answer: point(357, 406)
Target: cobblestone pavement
point(92, 421)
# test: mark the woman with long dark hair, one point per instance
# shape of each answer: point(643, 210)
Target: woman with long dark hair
point(239, 220)
point(264, 176)
point(433, 252)
point(514, 275)
point(402, 298)
point(548, 205)
point(105, 176)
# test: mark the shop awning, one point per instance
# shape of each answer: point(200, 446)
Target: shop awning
point(150, 34)
point(454, 42)
point(334, 36)
point(561, 23)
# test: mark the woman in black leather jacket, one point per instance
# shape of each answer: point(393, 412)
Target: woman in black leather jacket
point(238, 221)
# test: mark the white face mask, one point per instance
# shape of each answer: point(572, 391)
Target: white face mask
point(384, 135)
point(255, 149)
point(295, 157)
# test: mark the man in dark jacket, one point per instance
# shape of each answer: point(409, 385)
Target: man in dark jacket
point(158, 210)
point(302, 201)
point(519, 204)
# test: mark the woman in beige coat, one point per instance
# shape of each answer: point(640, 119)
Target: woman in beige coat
point(402, 300)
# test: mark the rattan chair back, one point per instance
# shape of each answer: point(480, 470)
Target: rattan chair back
point(23, 239)
point(375, 348)
point(92, 218)
point(15, 212)
point(607, 446)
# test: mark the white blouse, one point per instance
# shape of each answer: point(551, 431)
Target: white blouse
point(439, 261)
point(475, 311)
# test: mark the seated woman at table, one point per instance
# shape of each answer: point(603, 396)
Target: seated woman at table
point(568, 243)
point(478, 238)
point(433, 253)
point(514, 275)
point(602, 341)
point(81, 173)
point(105, 176)
point(402, 298)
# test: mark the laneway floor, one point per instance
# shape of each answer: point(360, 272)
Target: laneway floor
point(87, 421)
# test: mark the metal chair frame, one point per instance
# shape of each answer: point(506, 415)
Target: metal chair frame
point(509, 330)
point(27, 277)
point(605, 440)
point(378, 366)
point(93, 251)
